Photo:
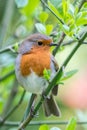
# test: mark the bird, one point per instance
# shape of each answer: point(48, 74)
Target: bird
point(34, 56)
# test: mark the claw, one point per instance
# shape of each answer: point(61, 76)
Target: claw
point(44, 96)
point(32, 112)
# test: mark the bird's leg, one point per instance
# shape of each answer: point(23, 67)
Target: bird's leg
point(30, 107)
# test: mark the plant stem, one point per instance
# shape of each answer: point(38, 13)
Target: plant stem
point(36, 123)
point(52, 12)
point(59, 44)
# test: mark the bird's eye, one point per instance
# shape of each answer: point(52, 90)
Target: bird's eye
point(40, 43)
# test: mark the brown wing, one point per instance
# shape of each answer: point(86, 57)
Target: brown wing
point(54, 68)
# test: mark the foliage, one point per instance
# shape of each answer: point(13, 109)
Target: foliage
point(70, 126)
point(47, 74)
point(68, 74)
point(54, 18)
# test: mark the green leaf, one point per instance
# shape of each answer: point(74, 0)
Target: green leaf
point(40, 27)
point(1, 104)
point(79, 15)
point(61, 48)
point(16, 47)
point(65, 28)
point(54, 9)
point(71, 9)
point(84, 7)
point(43, 17)
point(44, 127)
point(65, 7)
point(46, 74)
point(30, 7)
point(72, 124)
point(49, 29)
point(69, 74)
point(81, 18)
point(81, 21)
point(21, 3)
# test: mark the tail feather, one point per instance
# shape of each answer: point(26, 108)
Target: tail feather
point(51, 107)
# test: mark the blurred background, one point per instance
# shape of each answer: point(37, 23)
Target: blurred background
point(17, 21)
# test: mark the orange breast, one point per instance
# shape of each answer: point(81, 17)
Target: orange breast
point(36, 62)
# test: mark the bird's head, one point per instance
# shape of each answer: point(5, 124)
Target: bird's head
point(37, 41)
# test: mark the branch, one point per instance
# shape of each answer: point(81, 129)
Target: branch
point(59, 43)
point(72, 41)
point(7, 49)
point(12, 47)
point(16, 124)
point(11, 97)
point(53, 82)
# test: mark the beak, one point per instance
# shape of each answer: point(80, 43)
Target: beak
point(53, 44)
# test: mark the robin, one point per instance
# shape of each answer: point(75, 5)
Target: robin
point(33, 57)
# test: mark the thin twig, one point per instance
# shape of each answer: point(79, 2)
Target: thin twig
point(11, 47)
point(13, 109)
point(36, 123)
point(7, 75)
point(53, 82)
point(52, 12)
point(72, 41)
point(11, 97)
point(59, 44)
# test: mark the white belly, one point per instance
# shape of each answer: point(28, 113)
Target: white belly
point(33, 83)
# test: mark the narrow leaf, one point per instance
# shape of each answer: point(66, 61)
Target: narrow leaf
point(46, 74)
point(69, 74)
point(81, 21)
point(72, 124)
point(65, 7)
point(43, 17)
point(40, 27)
point(16, 47)
point(49, 29)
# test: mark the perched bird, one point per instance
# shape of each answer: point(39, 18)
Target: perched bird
point(33, 57)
